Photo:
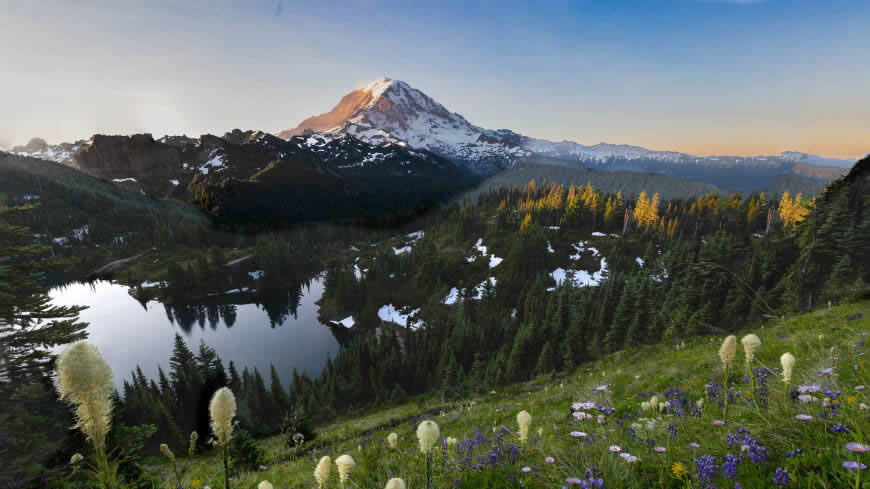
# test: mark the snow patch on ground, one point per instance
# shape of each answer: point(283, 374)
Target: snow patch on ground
point(494, 261)
point(403, 249)
point(256, 275)
point(390, 314)
point(580, 248)
point(452, 297)
point(550, 247)
point(174, 182)
point(347, 322)
point(639, 261)
point(121, 180)
point(553, 227)
point(416, 235)
point(598, 234)
point(580, 278)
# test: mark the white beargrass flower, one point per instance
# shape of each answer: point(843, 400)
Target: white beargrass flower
point(654, 403)
point(428, 434)
point(787, 361)
point(192, 448)
point(393, 440)
point(84, 379)
point(321, 473)
point(222, 409)
point(395, 483)
point(164, 449)
point(751, 343)
point(345, 464)
point(264, 485)
point(524, 420)
point(728, 351)
point(451, 442)
point(540, 432)
point(76, 458)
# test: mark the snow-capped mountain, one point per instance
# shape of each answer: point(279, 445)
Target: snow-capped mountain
point(391, 111)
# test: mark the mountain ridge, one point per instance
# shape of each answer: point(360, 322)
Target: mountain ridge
point(389, 110)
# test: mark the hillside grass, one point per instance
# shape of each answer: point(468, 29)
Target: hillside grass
point(490, 454)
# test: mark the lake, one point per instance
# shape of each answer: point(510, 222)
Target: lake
point(130, 333)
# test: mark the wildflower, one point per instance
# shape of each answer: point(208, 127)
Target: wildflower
point(781, 477)
point(194, 436)
point(706, 466)
point(694, 445)
point(578, 434)
point(164, 449)
point(857, 447)
point(428, 434)
point(853, 466)
point(787, 361)
point(806, 398)
point(615, 448)
point(804, 417)
point(729, 466)
point(76, 458)
point(393, 440)
point(794, 453)
point(679, 469)
point(84, 379)
point(524, 419)
point(540, 432)
point(298, 439)
point(526, 469)
point(264, 485)
point(395, 483)
point(222, 409)
point(345, 464)
point(809, 388)
point(580, 415)
point(859, 387)
point(197, 483)
point(631, 459)
point(660, 449)
point(728, 351)
point(751, 343)
point(573, 480)
point(321, 473)
point(718, 422)
point(451, 442)
point(549, 460)
point(601, 419)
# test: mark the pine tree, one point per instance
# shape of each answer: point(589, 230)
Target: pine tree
point(30, 325)
point(545, 360)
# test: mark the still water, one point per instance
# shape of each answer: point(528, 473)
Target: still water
point(252, 335)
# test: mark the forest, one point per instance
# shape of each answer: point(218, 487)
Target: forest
point(675, 269)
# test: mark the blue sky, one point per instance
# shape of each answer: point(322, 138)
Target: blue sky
point(702, 76)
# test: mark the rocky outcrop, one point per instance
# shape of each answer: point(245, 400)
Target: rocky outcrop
point(138, 158)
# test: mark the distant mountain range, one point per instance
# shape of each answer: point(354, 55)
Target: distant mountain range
point(391, 137)
point(392, 111)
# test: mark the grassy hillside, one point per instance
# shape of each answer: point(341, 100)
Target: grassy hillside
point(764, 442)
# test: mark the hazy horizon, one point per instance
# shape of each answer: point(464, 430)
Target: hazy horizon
point(705, 77)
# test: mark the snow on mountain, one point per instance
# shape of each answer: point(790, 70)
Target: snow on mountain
point(814, 160)
point(391, 111)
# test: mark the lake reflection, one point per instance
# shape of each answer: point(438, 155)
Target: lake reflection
point(284, 330)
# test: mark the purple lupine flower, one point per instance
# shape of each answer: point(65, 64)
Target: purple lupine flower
point(781, 477)
point(729, 466)
point(706, 466)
